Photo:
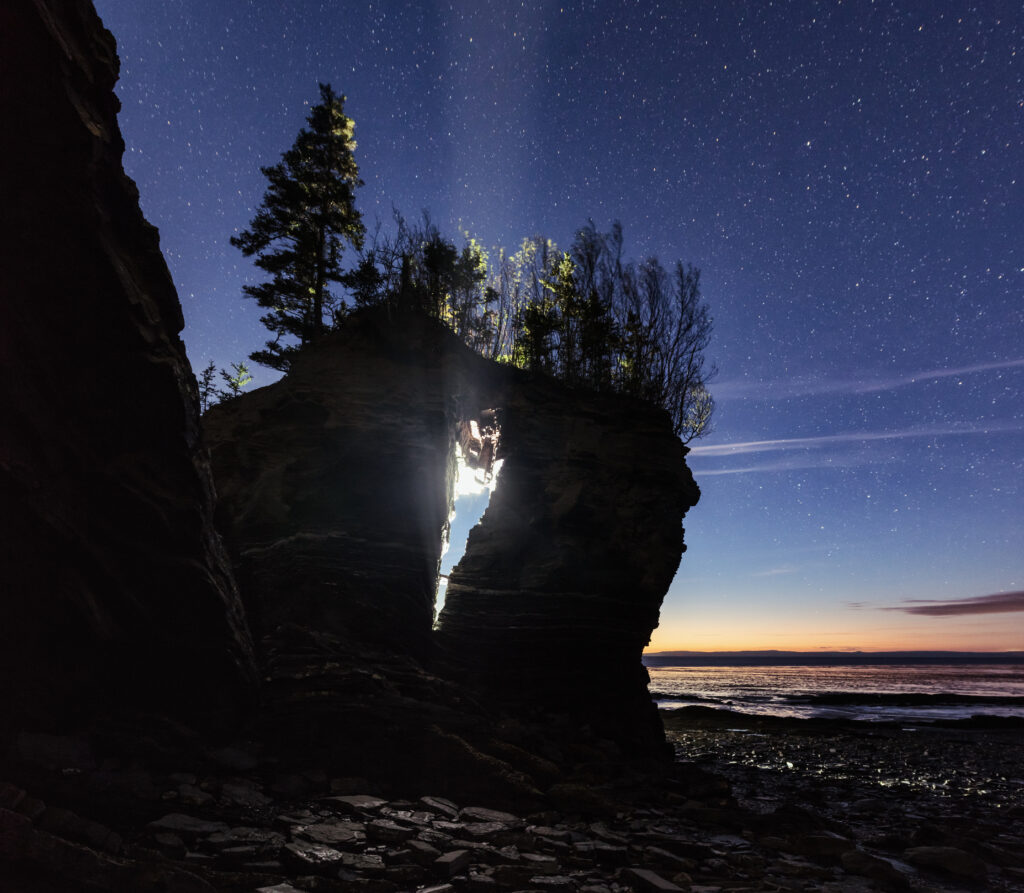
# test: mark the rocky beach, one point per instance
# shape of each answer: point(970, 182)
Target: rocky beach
point(749, 804)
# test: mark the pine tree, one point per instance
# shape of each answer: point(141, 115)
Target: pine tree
point(300, 231)
point(207, 391)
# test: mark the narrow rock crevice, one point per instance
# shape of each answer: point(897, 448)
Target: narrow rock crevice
point(478, 468)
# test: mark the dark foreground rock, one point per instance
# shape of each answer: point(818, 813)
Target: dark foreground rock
point(115, 584)
point(732, 814)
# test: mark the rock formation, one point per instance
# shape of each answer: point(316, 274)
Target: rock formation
point(335, 487)
point(336, 483)
point(562, 581)
point(114, 580)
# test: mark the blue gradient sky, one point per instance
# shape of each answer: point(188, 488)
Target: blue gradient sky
point(848, 176)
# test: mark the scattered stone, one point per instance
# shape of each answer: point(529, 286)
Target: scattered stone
point(449, 827)
point(388, 831)
point(541, 864)
point(560, 834)
point(554, 882)
point(480, 814)
point(436, 838)
point(368, 863)
point(663, 858)
point(452, 863)
point(421, 852)
point(648, 881)
point(948, 859)
point(312, 856)
point(600, 830)
point(859, 862)
point(484, 830)
point(332, 834)
point(441, 806)
point(246, 836)
point(356, 803)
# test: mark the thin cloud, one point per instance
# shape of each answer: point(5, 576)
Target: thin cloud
point(809, 387)
point(804, 443)
point(776, 571)
point(999, 603)
point(768, 467)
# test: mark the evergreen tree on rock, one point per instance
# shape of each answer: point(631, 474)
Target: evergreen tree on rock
point(300, 231)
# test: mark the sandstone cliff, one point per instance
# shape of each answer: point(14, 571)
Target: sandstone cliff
point(114, 580)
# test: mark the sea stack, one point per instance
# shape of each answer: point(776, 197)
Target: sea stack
point(336, 485)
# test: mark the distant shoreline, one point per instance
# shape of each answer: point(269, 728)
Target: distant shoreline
point(826, 658)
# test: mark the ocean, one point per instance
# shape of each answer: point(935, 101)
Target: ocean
point(896, 693)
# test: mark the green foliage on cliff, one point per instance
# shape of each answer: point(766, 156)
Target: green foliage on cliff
point(585, 316)
point(236, 379)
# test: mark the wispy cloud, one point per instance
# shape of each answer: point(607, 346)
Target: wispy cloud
point(776, 571)
point(826, 440)
point(793, 464)
point(999, 603)
point(809, 387)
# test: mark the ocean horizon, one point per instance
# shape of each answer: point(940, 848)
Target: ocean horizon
point(779, 658)
point(897, 691)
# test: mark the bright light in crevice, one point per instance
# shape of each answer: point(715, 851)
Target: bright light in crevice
point(473, 489)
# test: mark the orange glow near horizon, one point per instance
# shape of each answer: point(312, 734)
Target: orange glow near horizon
point(896, 634)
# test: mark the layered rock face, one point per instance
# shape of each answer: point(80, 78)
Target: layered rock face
point(113, 576)
point(562, 580)
point(335, 484)
point(335, 487)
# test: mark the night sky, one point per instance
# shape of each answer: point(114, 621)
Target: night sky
point(847, 175)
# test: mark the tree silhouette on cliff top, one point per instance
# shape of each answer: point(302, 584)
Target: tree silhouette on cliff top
point(586, 316)
point(301, 229)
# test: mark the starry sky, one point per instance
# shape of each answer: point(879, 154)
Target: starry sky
point(847, 175)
